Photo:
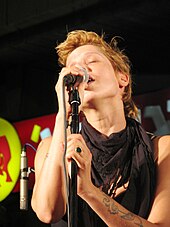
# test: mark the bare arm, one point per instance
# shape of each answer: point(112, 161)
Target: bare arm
point(48, 200)
point(49, 194)
point(160, 209)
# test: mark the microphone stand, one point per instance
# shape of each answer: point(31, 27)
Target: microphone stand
point(74, 101)
point(25, 170)
point(24, 180)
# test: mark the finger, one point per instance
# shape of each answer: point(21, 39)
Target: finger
point(75, 70)
point(77, 157)
point(77, 139)
point(83, 161)
point(78, 149)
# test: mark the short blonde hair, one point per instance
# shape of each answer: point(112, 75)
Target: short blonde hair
point(117, 58)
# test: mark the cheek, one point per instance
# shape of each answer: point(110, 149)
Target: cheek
point(110, 81)
point(110, 87)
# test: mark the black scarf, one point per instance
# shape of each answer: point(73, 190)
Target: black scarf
point(122, 157)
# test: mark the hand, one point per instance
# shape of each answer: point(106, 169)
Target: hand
point(74, 70)
point(83, 160)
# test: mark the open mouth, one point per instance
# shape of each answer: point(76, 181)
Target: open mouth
point(90, 80)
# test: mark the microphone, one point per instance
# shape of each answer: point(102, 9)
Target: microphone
point(24, 180)
point(71, 80)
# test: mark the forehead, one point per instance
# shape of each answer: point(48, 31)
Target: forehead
point(83, 51)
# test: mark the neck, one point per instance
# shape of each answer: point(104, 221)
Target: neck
point(106, 121)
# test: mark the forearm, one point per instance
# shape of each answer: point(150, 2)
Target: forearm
point(111, 212)
point(48, 199)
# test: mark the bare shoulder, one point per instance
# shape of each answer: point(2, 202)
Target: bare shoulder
point(160, 210)
point(44, 145)
point(162, 147)
point(164, 140)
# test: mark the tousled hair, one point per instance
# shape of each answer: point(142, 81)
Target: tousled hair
point(116, 56)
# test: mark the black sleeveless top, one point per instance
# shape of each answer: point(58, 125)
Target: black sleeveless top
point(126, 156)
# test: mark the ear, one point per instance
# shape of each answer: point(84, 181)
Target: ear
point(123, 79)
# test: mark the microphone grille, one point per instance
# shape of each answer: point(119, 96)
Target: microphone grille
point(86, 75)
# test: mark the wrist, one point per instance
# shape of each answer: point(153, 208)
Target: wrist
point(90, 193)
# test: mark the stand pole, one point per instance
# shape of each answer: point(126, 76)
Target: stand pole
point(74, 101)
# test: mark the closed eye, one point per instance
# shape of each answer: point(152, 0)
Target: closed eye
point(91, 62)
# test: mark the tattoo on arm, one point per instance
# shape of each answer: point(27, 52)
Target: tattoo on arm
point(113, 209)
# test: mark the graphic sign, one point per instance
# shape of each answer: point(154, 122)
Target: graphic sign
point(10, 148)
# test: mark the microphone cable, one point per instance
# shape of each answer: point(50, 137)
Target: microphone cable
point(65, 149)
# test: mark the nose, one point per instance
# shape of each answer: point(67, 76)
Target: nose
point(83, 66)
point(84, 69)
point(86, 75)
